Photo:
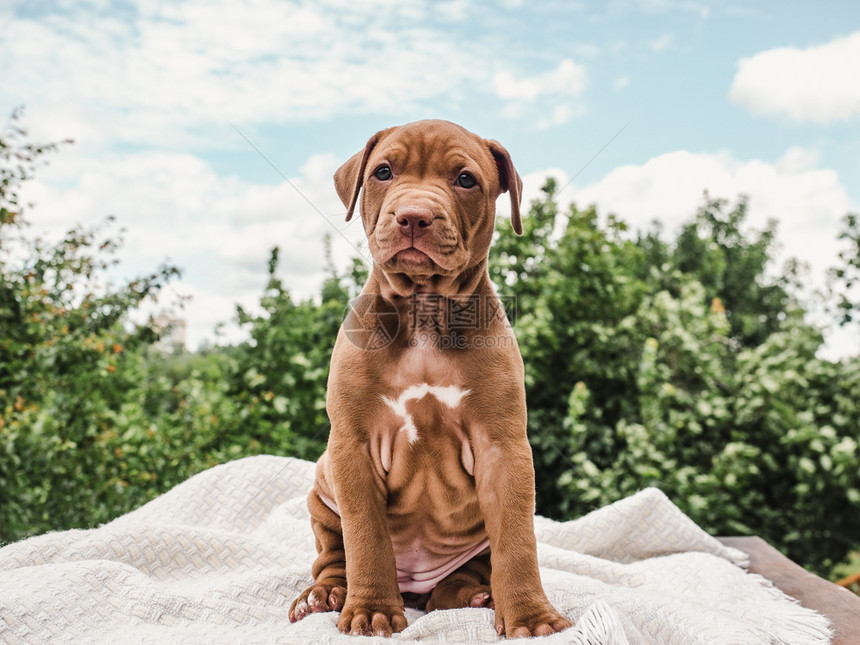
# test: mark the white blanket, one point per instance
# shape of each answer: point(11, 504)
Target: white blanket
point(219, 558)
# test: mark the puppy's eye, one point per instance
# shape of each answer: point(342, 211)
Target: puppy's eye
point(466, 180)
point(383, 173)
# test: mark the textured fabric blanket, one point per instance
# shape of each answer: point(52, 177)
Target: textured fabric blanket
point(219, 559)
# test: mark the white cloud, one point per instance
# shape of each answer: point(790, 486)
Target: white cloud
point(819, 84)
point(555, 90)
point(808, 202)
point(164, 73)
point(219, 230)
point(662, 43)
point(567, 78)
point(840, 342)
point(620, 83)
point(559, 115)
point(798, 159)
point(532, 184)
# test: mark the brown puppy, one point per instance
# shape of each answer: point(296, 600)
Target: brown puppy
point(427, 485)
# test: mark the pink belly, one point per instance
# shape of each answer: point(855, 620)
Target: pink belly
point(419, 570)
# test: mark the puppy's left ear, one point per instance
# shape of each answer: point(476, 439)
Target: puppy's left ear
point(350, 176)
point(509, 180)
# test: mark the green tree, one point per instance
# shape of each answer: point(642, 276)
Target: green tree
point(845, 276)
point(731, 264)
point(683, 364)
point(64, 341)
point(283, 368)
point(571, 290)
point(95, 419)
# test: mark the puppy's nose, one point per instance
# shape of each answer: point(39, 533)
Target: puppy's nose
point(413, 220)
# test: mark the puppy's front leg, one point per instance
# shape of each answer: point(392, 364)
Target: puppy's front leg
point(504, 479)
point(373, 601)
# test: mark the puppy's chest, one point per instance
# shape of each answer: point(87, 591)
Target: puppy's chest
point(422, 432)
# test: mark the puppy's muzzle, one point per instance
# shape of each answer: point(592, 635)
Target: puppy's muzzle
point(413, 220)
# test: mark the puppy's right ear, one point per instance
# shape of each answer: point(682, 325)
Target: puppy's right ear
point(349, 177)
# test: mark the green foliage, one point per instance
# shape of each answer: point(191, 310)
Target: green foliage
point(847, 568)
point(730, 264)
point(751, 441)
point(571, 291)
point(94, 418)
point(65, 342)
point(283, 368)
point(845, 277)
point(684, 364)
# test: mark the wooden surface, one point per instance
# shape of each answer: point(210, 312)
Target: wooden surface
point(840, 605)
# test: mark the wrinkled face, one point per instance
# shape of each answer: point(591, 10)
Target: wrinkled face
point(428, 197)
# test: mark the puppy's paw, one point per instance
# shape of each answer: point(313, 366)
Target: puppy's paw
point(455, 595)
point(525, 622)
point(371, 618)
point(317, 598)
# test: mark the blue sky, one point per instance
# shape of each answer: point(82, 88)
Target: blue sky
point(760, 98)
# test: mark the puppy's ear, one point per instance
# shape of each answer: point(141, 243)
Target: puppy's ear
point(509, 180)
point(349, 177)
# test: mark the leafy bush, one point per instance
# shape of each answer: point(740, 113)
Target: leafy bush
point(95, 419)
point(845, 278)
point(65, 344)
point(683, 366)
point(283, 368)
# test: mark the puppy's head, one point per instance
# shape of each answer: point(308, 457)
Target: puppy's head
point(428, 197)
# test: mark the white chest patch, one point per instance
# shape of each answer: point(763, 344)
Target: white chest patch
point(449, 395)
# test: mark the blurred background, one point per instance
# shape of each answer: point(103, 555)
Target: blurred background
point(175, 261)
